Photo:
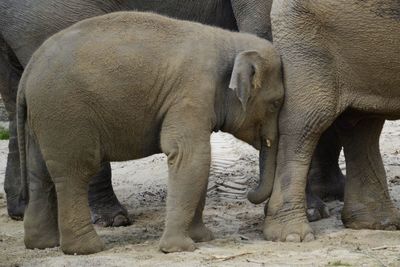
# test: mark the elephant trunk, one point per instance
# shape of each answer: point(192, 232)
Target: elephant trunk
point(267, 162)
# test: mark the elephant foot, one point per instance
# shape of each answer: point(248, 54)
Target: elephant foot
point(105, 209)
point(16, 207)
point(376, 216)
point(87, 243)
point(108, 212)
point(42, 240)
point(283, 228)
point(114, 217)
point(176, 243)
point(41, 230)
point(200, 233)
point(316, 208)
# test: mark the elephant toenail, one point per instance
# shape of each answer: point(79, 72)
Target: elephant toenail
point(309, 237)
point(293, 238)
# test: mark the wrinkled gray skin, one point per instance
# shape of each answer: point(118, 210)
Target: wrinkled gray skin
point(341, 63)
point(24, 25)
point(164, 87)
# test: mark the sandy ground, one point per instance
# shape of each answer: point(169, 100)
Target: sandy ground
point(237, 224)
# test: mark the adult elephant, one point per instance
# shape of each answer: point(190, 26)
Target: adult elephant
point(25, 24)
point(341, 64)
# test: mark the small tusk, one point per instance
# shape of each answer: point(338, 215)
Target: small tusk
point(268, 143)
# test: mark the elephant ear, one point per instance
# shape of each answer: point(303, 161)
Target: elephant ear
point(245, 75)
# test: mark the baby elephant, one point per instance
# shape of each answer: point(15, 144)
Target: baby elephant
point(128, 85)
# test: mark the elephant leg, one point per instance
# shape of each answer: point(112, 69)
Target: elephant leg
point(189, 159)
point(40, 221)
point(367, 202)
point(286, 217)
point(316, 208)
point(105, 208)
point(10, 74)
point(17, 198)
point(311, 106)
point(300, 131)
point(71, 178)
point(197, 230)
point(326, 178)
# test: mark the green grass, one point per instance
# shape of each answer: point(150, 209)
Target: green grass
point(4, 133)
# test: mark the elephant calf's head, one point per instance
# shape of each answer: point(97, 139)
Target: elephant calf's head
point(257, 82)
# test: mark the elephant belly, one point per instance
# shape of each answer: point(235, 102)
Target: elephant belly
point(129, 143)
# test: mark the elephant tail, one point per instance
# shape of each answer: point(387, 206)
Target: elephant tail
point(21, 121)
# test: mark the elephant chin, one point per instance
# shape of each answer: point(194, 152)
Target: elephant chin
point(267, 162)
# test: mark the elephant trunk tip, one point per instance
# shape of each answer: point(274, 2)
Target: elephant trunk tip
point(257, 197)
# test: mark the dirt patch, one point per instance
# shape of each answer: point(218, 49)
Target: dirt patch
point(237, 224)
